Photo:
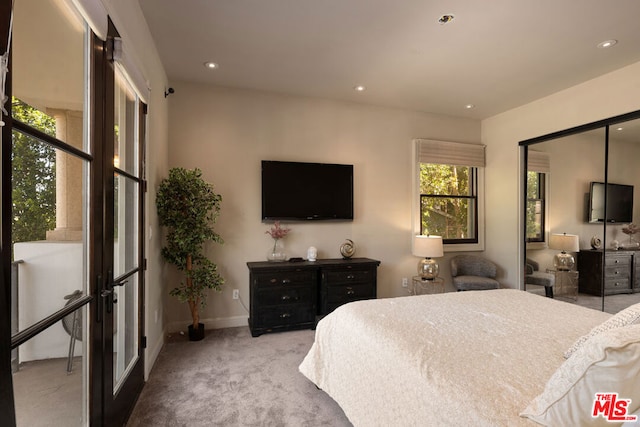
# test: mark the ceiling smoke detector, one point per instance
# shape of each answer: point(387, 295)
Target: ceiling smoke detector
point(445, 19)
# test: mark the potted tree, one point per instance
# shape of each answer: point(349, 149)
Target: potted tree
point(188, 207)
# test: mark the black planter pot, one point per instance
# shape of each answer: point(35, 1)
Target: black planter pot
point(196, 334)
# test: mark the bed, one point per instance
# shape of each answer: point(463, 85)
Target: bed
point(481, 358)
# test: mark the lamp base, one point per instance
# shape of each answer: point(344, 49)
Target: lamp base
point(428, 269)
point(564, 261)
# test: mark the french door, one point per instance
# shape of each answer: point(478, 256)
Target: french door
point(122, 294)
point(71, 289)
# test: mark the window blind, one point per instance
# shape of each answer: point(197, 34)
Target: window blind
point(538, 161)
point(450, 153)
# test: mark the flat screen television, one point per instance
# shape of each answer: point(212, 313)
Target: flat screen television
point(619, 204)
point(306, 191)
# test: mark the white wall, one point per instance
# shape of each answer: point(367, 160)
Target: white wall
point(606, 96)
point(131, 25)
point(227, 132)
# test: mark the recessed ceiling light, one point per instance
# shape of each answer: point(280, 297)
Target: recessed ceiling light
point(359, 88)
point(607, 43)
point(211, 65)
point(445, 19)
point(619, 128)
point(469, 106)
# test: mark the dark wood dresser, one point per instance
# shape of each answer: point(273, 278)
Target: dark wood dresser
point(290, 295)
point(620, 269)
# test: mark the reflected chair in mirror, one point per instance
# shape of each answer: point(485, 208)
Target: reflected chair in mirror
point(535, 279)
point(472, 272)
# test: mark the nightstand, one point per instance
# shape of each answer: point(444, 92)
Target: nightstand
point(566, 284)
point(424, 287)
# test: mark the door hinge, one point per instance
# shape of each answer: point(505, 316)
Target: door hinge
point(144, 264)
point(144, 342)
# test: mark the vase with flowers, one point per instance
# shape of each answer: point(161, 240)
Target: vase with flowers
point(630, 230)
point(276, 252)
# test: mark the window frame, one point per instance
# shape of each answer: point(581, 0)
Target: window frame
point(459, 246)
point(473, 190)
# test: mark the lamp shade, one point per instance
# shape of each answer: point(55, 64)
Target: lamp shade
point(564, 242)
point(428, 246)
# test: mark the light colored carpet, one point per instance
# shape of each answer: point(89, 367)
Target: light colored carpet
point(232, 379)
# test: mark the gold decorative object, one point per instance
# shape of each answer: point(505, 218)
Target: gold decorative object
point(347, 249)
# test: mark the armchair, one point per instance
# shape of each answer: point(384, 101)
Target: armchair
point(538, 278)
point(471, 272)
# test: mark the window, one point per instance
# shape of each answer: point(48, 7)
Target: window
point(449, 193)
point(535, 206)
point(536, 209)
point(448, 202)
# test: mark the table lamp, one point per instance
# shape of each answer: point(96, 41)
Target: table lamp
point(428, 247)
point(565, 243)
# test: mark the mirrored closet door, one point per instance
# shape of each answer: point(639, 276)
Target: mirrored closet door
point(581, 202)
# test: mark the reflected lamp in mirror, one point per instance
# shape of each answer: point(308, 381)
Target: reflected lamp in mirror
point(565, 243)
point(428, 247)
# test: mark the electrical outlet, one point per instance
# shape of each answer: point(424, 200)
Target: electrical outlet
point(236, 294)
point(405, 282)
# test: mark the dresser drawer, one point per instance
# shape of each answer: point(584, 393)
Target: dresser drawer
point(615, 272)
point(347, 293)
point(348, 276)
point(620, 285)
point(293, 277)
point(284, 295)
point(284, 316)
point(612, 260)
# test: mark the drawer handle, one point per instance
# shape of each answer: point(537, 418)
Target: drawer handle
point(351, 276)
point(286, 281)
point(350, 291)
point(285, 315)
point(288, 297)
point(617, 261)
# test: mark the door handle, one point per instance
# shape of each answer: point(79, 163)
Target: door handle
point(120, 283)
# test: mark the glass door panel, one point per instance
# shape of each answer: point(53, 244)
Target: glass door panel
point(49, 199)
point(126, 257)
point(50, 391)
point(125, 338)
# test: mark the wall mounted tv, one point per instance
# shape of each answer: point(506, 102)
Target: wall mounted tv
point(619, 203)
point(306, 191)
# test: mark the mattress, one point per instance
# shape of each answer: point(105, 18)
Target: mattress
point(466, 358)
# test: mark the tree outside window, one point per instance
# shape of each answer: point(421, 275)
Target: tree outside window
point(535, 206)
point(34, 176)
point(448, 202)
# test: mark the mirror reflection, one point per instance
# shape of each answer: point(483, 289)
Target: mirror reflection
point(582, 204)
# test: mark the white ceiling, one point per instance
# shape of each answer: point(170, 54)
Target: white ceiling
point(495, 54)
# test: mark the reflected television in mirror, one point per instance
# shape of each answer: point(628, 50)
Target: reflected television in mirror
point(619, 203)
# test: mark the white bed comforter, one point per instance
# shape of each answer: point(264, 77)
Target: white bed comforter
point(461, 359)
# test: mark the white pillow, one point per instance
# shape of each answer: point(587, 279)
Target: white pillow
point(608, 362)
point(628, 316)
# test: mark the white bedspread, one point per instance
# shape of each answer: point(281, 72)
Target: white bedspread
point(464, 359)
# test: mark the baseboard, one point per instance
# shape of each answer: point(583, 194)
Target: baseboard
point(152, 355)
point(217, 323)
